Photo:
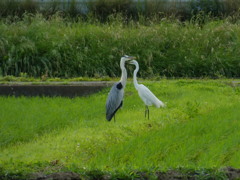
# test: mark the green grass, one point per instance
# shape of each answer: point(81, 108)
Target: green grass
point(198, 129)
point(58, 47)
point(23, 79)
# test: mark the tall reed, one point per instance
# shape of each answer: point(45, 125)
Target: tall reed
point(59, 47)
point(129, 8)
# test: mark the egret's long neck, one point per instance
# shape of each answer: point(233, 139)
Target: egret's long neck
point(135, 76)
point(124, 73)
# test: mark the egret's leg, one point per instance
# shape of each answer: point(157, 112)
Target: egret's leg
point(148, 112)
point(145, 111)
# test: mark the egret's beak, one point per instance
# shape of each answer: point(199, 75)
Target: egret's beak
point(131, 62)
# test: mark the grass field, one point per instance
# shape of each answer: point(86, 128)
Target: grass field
point(198, 129)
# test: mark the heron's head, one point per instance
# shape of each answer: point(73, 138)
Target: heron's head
point(134, 62)
point(127, 58)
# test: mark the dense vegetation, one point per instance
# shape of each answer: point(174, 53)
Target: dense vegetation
point(58, 47)
point(101, 9)
point(198, 130)
point(198, 38)
point(197, 133)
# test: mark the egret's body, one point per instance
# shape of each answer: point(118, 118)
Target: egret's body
point(145, 94)
point(115, 96)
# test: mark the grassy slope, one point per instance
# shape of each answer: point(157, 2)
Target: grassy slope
point(198, 129)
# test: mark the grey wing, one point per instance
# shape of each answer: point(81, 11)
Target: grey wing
point(114, 101)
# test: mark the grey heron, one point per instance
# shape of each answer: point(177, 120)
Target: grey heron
point(145, 94)
point(115, 96)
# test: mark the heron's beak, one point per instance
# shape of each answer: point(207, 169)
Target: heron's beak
point(131, 58)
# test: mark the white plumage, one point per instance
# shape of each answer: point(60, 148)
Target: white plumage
point(148, 97)
point(145, 94)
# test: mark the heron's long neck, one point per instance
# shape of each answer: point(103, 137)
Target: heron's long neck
point(135, 76)
point(124, 73)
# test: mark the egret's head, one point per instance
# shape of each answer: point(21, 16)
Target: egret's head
point(127, 58)
point(134, 62)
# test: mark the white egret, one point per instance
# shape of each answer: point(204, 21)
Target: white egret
point(145, 94)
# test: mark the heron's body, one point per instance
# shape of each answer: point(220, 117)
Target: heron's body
point(115, 96)
point(115, 100)
point(145, 94)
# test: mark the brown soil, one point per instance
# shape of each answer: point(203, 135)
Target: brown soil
point(56, 176)
point(230, 174)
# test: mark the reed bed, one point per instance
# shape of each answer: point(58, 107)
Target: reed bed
point(59, 47)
